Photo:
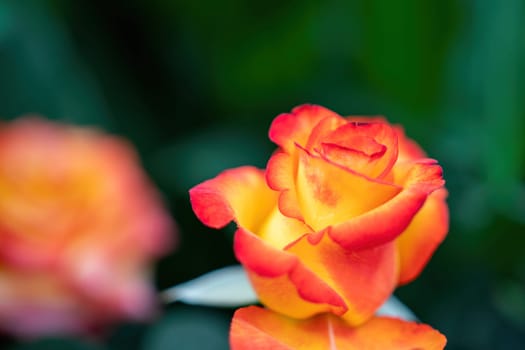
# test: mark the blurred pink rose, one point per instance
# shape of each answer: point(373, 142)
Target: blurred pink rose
point(79, 226)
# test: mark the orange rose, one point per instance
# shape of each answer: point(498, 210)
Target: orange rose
point(348, 209)
point(255, 328)
point(79, 226)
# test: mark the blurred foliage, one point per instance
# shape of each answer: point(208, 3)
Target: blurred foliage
point(195, 85)
point(188, 328)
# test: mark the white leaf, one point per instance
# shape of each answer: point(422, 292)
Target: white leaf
point(395, 308)
point(225, 287)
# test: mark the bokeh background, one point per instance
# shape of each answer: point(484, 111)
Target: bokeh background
point(194, 86)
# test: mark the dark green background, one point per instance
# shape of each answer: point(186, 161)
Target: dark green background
point(195, 85)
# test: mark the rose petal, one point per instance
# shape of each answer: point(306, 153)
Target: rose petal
point(281, 171)
point(366, 118)
point(33, 304)
point(231, 195)
point(329, 194)
point(290, 128)
point(364, 279)
point(421, 238)
point(279, 230)
point(385, 222)
point(256, 328)
point(282, 282)
point(367, 148)
point(408, 148)
point(423, 174)
point(325, 126)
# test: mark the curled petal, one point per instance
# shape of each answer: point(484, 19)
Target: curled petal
point(325, 126)
point(386, 222)
point(280, 176)
point(231, 195)
point(367, 148)
point(290, 128)
point(256, 328)
point(364, 279)
point(281, 280)
point(329, 194)
point(408, 149)
point(421, 238)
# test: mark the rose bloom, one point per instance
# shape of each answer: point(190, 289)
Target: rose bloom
point(348, 209)
point(255, 328)
point(79, 226)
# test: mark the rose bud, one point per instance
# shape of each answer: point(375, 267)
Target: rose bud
point(348, 209)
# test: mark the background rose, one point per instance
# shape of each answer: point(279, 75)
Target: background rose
point(321, 233)
point(79, 225)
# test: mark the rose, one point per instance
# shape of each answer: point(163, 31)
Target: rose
point(348, 209)
point(256, 328)
point(79, 226)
